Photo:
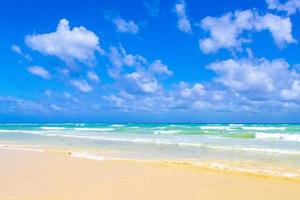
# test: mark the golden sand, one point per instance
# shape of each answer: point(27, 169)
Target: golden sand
point(51, 176)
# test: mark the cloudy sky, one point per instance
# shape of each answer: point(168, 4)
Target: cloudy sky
point(150, 61)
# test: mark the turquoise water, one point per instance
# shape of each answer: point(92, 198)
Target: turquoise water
point(271, 149)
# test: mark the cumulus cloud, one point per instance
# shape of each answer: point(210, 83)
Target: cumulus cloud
point(184, 96)
point(257, 77)
point(93, 76)
point(17, 49)
point(247, 84)
point(39, 71)
point(227, 31)
point(141, 81)
point(119, 58)
point(292, 93)
point(68, 44)
point(126, 26)
point(183, 23)
point(290, 6)
point(20, 106)
point(159, 68)
point(56, 107)
point(81, 85)
point(134, 73)
point(195, 91)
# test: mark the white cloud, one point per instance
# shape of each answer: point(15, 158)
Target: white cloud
point(140, 81)
point(133, 72)
point(132, 102)
point(183, 23)
point(81, 85)
point(191, 92)
point(70, 45)
point(118, 57)
point(159, 68)
point(256, 78)
point(56, 107)
point(227, 31)
point(213, 97)
point(126, 26)
point(293, 93)
point(17, 49)
point(279, 27)
point(290, 6)
point(93, 76)
point(20, 106)
point(39, 71)
point(184, 96)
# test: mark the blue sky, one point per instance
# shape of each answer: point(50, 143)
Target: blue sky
point(150, 61)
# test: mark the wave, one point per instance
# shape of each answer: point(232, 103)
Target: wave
point(211, 165)
point(236, 125)
point(254, 170)
point(255, 128)
point(248, 170)
point(183, 142)
point(214, 127)
point(278, 136)
point(117, 125)
point(191, 144)
point(87, 155)
point(94, 129)
point(166, 131)
point(256, 149)
point(19, 148)
point(17, 131)
point(80, 124)
point(52, 128)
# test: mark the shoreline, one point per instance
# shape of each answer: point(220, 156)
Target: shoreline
point(29, 175)
point(209, 166)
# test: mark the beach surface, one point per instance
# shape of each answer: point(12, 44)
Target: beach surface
point(30, 175)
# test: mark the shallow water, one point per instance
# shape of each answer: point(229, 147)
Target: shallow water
point(271, 149)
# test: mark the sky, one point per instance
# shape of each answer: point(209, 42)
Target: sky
point(150, 61)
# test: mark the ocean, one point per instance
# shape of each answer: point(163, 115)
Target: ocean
point(264, 149)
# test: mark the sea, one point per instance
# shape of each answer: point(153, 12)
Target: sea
point(259, 149)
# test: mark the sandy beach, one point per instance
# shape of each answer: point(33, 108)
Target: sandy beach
point(28, 175)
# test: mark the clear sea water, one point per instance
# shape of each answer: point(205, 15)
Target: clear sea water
point(269, 149)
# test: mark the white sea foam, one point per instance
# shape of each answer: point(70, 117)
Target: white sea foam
point(213, 165)
point(166, 131)
point(19, 148)
point(236, 125)
point(87, 155)
point(249, 170)
point(256, 149)
point(215, 128)
point(192, 144)
point(79, 124)
point(183, 142)
point(17, 131)
point(278, 136)
point(53, 128)
point(257, 128)
point(176, 142)
point(117, 125)
point(94, 129)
